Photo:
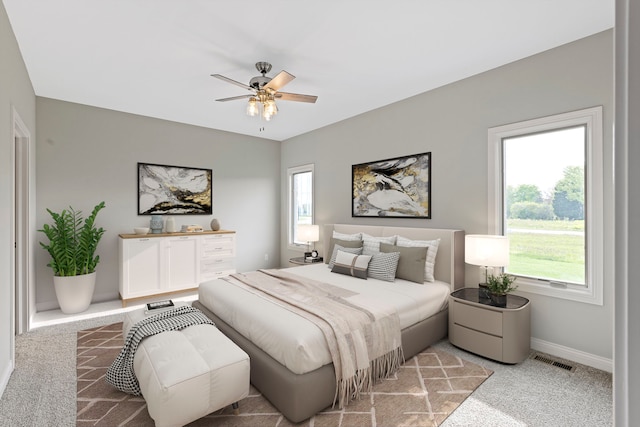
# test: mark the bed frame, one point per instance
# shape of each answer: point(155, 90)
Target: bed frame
point(300, 396)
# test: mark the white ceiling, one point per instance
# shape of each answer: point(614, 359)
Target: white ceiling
point(155, 57)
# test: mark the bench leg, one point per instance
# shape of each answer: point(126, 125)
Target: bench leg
point(236, 408)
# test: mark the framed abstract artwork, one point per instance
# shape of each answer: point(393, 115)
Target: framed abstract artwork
point(393, 188)
point(174, 190)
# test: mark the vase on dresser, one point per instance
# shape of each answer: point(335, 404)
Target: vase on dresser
point(156, 224)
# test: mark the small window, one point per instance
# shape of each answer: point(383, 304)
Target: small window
point(545, 194)
point(300, 201)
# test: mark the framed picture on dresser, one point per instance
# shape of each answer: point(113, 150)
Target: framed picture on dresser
point(399, 187)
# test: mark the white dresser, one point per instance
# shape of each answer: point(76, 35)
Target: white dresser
point(161, 264)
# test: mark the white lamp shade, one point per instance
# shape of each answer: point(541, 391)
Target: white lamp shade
point(308, 232)
point(486, 250)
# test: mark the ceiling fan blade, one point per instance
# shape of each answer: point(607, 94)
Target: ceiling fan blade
point(281, 79)
point(233, 98)
point(285, 96)
point(233, 82)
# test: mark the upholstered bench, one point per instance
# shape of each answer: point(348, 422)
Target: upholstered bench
point(187, 374)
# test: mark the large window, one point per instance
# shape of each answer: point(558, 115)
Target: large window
point(545, 191)
point(300, 201)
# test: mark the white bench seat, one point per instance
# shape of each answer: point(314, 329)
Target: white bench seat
point(187, 374)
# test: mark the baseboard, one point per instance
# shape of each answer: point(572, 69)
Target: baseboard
point(53, 305)
point(574, 355)
point(6, 374)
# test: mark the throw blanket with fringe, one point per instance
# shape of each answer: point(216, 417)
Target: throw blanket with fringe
point(364, 342)
point(120, 374)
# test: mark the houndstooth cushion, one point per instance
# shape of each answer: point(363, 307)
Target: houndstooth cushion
point(383, 266)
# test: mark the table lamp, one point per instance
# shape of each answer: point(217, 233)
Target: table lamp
point(308, 233)
point(486, 250)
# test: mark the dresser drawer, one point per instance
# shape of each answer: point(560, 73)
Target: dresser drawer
point(221, 245)
point(476, 342)
point(217, 267)
point(477, 318)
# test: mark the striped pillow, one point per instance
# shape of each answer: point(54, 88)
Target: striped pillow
point(432, 250)
point(371, 245)
point(351, 264)
point(383, 266)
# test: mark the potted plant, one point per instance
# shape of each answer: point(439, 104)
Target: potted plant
point(72, 246)
point(499, 286)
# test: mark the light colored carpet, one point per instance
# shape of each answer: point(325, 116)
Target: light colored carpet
point(42, 388)
point(426, 389)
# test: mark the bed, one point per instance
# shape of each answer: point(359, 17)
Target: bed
point(301, 383)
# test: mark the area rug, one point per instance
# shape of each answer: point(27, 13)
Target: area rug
point(424, 392)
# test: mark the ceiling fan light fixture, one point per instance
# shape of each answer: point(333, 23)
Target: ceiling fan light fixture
point(252, 107)
point(270, 107)
point(265, 91)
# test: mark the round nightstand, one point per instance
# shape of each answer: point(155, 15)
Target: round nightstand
point(302, 261)
point(481, 327)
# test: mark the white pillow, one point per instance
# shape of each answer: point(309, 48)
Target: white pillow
point(351, 264)
point(350, 237)
point(432, 251)
point(371, 245)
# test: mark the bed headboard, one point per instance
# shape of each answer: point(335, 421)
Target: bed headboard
point(449, 266)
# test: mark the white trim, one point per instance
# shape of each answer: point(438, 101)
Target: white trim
point(25, 299)
point(290, 172)
point(574, 355)
point(592, 118)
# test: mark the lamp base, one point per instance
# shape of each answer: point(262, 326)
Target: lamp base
point(483, 291)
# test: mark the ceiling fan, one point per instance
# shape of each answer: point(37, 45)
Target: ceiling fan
point(264, 91)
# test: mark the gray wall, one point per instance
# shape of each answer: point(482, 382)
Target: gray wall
point(16, 93)
point(87, 154)
point(452, 122)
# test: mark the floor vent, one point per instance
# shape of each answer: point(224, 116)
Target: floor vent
point(551, 361)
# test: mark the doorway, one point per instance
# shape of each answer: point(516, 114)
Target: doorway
point(24, 297)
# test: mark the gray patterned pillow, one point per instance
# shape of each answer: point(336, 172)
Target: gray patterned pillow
point(344, 244)
point(383, 266)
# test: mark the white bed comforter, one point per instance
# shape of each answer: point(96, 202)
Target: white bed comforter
point(297, 343)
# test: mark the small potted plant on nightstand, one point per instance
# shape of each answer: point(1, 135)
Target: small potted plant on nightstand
point(499, 286)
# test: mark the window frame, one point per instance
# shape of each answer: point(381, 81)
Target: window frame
point(291, 172)
point(591, 118)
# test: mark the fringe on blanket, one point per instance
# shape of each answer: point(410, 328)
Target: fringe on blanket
point(362, 382)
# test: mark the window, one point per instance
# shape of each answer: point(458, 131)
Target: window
point(546, 195)
point(300, 201)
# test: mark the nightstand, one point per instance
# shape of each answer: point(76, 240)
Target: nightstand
point(302, 261)
point(498, 333)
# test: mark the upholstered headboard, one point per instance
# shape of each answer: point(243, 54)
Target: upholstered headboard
point(449, 265)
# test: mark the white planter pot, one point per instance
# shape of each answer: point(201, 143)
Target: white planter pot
point(74, 293)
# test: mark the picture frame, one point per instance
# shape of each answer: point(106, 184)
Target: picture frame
point(399, 187)
point(174, 190)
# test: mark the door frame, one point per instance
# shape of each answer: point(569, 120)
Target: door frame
point(22, 225)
